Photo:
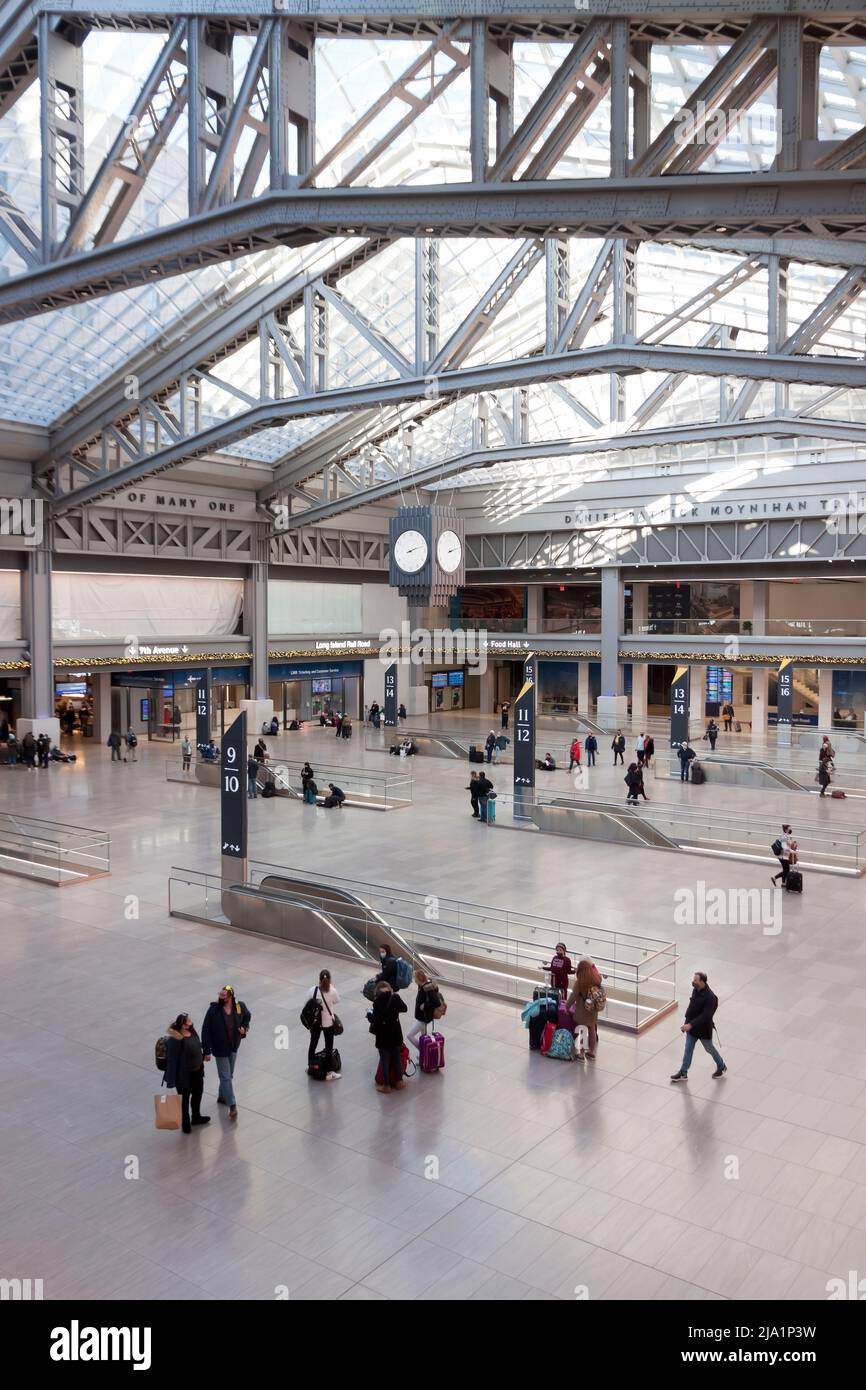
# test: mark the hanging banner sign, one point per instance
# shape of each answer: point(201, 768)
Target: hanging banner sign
point(785, 696)
point(524, 731)
point(202, 709)
point(233, 790)
point(391, 696)
point(680, 707)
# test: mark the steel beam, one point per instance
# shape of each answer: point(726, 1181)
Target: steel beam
point(622, 358)
point(800, 204)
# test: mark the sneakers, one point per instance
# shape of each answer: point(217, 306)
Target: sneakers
point(233, 1112)
point(720, 1071)
point(680, 1076)
point(333, 1076)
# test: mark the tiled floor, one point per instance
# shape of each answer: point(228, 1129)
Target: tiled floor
point(505, 1177)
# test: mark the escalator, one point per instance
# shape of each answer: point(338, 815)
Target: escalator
point(598, 820)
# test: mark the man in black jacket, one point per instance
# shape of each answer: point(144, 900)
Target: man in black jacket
point(226, 1023)
point(485, 787)
point(698, 1027)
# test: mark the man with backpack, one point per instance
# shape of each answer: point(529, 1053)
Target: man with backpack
point(131, 744)
point(114, 745)
point(698, 1027)
point(618, 746)
point(252, 775)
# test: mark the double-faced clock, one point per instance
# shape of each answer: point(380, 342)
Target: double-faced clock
point(427, 558)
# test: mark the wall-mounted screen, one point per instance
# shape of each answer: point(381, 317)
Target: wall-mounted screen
point(322, 687)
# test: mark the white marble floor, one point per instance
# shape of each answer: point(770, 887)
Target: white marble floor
point(507, 1176)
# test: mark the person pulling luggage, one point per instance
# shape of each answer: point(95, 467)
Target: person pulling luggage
point(785, 850)
point(428, 1001)
point(473, 794)
point(686, 754)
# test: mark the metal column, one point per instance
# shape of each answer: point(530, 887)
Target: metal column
point(256, 627)
point(611, 628)
point(36, 624)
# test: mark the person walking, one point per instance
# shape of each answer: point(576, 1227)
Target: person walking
point(649, 750)
point(326, 996)
point(504, 708)
point(698, 1027)
point(574, 753)
point(727, 716)
point(826, 753)
point(634, 781)
point(186, 753)
point(131, 744)
point(485, 787)
point(618, 746)
point(225, 1026)
point(489, 745)
point(401, 713)
point(590, 744)
point(712, 734)
point(640, 745)
point(785, 850)
point(113, 743)
point(685, 754)
point(388, 1035)
point(473, 794)
point(427, 1001)
point(586, 1001)
point(253, 775)
point(823, 775)
point(338, 725)
point(184, 1070)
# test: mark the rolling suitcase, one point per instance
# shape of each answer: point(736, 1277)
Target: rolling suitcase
point(837, 794)
point(795, 881)
point(546, 992)
point(697, 774)
point(537, 1026)
point(491, 810)
point(431, 1051)
point(738, 728)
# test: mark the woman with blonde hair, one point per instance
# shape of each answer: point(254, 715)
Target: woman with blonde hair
point(586, 1001)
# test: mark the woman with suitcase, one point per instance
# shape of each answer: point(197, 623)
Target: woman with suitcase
point(586, 1003)
point(785, 851)
point(388, 1034)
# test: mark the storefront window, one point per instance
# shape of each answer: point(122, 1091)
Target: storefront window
point(849, 699)
point(73, 703)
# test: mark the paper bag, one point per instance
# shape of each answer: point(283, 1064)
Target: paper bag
point(166, 1108)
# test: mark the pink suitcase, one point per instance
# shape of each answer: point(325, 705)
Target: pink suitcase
point(431, 1051)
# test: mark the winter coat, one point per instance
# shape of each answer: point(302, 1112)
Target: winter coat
point(385, 1023)
point(702, 1007)
point(215, 1039)
point(184, 1057)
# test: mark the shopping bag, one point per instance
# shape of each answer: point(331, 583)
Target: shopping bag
point(166, 1107)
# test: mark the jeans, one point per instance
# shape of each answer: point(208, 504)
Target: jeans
point(194, 1095)
point(786, 869)
point(482, 802)
point(617, 754)
point(391, 1062)
point(115, 754)
point(252, 783)
point(225, 1071)
point(684, 772)
point(315, 1034)
point(706, 1044)
point(590, 758)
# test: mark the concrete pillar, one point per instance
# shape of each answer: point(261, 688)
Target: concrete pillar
point(639, 691)
point(38, 702)
point(760, 690)
point(487, 689)
point(534, 608)
point(417, 699)
point(760, 606)
point(102, 718)
point(639, 607)
point(583, 687)
point(697, 693)
point(612, 704)
point(825, 697)
point(260, 706)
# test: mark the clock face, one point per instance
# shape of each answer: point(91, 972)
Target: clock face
point(410, 551)
point(449, 551)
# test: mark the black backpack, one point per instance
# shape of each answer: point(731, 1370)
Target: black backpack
point(160, 1053)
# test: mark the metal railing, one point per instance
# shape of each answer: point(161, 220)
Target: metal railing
point(380, 790)
point(793, 763)
point(828, 848)
point(52, 852)
point(487, 949)
point(458, 741)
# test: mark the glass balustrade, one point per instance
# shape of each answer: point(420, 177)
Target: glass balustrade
point(51, 851)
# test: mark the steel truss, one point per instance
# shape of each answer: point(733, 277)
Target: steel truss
point(363, 454)
point(719, 543)
point(255, 180)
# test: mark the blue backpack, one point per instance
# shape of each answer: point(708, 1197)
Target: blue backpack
point(562, 1045)
point(404, 973)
